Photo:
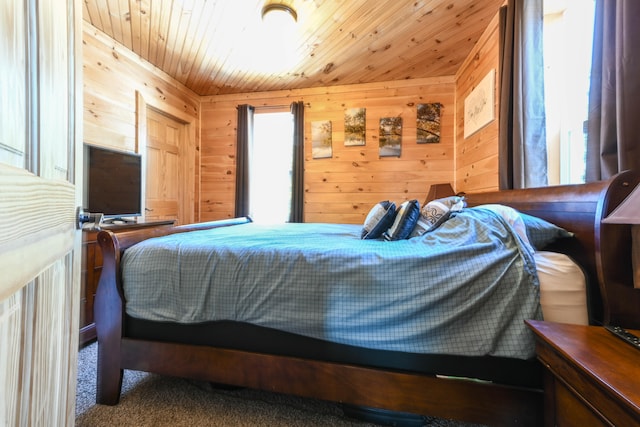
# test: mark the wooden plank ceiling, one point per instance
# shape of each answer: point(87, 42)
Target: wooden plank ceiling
point(223, 46)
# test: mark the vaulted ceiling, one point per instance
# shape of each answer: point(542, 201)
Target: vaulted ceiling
point(224, 46)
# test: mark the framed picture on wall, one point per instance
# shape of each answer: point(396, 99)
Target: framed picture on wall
point(479, 105)
point(390, 136)
point(354, 126)
point(321, 140)
point(428, 123)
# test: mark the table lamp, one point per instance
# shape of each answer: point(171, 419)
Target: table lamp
point(438, 191)
point(628, 212)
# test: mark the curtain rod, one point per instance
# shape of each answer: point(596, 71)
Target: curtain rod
point(272, 107)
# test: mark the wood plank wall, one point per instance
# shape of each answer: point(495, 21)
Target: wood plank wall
point(340, 189)
point(113, 77)
point(345, 187)
point(477, 155)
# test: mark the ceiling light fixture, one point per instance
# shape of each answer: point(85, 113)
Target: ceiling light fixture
point(279, 7)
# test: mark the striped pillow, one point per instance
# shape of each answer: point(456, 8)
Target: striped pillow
point(405, 221)
point(378, 220)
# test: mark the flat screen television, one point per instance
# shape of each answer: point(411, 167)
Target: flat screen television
point(112, 182)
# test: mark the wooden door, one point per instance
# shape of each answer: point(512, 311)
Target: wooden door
point(39, 244)
point(164, 158)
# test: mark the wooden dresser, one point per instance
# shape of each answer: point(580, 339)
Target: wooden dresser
point(592, 377)
point(91, 268)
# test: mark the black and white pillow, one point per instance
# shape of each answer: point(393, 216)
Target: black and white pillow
point(405, 221)
point(434, 213)
point(378, 220)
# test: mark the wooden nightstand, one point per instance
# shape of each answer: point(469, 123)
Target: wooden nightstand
point(91, 268)
point(592, 378)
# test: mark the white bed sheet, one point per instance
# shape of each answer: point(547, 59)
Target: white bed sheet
point(563, 288)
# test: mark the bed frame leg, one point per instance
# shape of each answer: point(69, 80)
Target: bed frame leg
point(109, 378)
point(108, 315)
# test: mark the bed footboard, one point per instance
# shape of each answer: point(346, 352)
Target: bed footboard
point(109, 301)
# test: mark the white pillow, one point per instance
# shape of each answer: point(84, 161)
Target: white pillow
point(513, 218)
point(563, 289)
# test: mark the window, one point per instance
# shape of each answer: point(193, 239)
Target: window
point(568, 38)
point(271, 163)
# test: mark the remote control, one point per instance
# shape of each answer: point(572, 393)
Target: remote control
point(625, 335)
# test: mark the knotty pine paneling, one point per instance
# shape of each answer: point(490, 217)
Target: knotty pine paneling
point(344, 187)
point(112, 77)
point(218, 47)
point(113, 74)
point(477, 155)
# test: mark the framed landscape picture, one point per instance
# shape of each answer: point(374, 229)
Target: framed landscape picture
point(428, 123)
point(390, 136)
point(354, 126)
point(321, 140)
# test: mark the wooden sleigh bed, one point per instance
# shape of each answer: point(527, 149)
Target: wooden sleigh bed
point(264, 359)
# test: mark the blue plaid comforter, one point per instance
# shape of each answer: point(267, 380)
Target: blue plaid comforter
point(465, 288)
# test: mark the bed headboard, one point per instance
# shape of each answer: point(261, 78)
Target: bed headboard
point(603, 249)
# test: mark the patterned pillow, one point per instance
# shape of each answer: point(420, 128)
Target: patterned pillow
point(378, 220)
point(435, 213)
point(542, 233)
point(405, 221)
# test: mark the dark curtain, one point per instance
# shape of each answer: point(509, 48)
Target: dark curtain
point(243, 143)
point(613, 135)
point(297, 187)
point(522, 137)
